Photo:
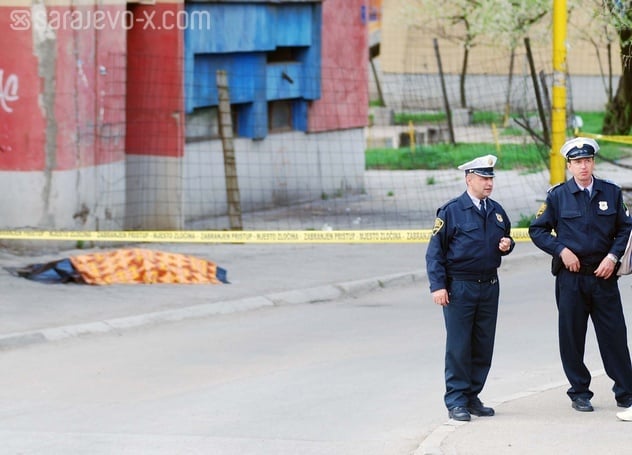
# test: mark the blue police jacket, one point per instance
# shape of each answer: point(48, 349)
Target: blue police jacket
point(465, 243)
point(591, 231)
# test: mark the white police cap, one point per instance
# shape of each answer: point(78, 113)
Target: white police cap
point(579, 147)
point(483, 166)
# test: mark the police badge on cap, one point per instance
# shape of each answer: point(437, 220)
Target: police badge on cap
point(483, 166)
point(579, 147)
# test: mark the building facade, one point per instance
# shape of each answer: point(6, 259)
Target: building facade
point(109, 111)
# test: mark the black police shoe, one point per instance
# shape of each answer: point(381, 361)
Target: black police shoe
point(459, 413)
point(479, 410)
point(625, 404)
point(582, 405)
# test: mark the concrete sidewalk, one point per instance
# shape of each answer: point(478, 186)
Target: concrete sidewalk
point(539, 421)
point(260, 276)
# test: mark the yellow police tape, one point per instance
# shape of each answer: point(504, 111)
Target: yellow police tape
point(618, 139)
point(375, 236)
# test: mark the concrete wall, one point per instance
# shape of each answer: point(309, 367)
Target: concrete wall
point(60, 122)
point(284, 169)
point(91, 197)
point(407, 33)
point(154, 192)
point(415, 92)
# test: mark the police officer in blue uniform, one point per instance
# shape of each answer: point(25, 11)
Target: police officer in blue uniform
point(471, 234)
point(591, 224)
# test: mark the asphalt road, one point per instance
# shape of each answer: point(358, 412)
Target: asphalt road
point(361, 375)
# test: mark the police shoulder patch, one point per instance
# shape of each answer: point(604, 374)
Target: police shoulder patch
point(450, 202)
point(438, 224)
point(554, 186)
point(541, 210)
point(612, 183)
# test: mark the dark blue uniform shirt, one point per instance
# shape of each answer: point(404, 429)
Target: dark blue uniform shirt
point(463, 242)
point(591, 231)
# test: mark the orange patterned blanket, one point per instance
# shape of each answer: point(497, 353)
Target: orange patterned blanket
point(127, 266)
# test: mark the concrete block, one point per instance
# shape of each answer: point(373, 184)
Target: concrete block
point(462, 117)
point(437, 134)
point(382, 116)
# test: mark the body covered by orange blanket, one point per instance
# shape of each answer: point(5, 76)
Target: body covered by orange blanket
point(138, 265)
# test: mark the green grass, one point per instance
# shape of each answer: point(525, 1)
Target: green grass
point(525, 220)
point(593, 121)
point(511, 156)
point(446, 156)
point(593, 124)
point(403, 118)
point(487, 118)
point(418, 118)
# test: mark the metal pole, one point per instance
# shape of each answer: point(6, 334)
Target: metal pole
point(558, 112)
point(536, 89)
point(446, 102)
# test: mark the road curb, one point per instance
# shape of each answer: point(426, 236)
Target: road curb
point(317, 294)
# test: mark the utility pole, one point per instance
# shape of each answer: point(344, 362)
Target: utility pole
point(558, 114)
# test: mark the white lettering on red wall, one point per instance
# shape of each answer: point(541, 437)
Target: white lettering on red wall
point(8, 91)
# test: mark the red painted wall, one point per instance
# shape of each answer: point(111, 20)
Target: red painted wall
point(155, 93)
point(345, 56)
point(71, 113)
point(21, 120)
point(55, 101)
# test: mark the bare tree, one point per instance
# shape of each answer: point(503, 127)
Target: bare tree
point(454, 21)
point(509, 21)
point(466, 21)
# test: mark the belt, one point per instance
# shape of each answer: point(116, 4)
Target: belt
point(587, 269)
point(476, 277)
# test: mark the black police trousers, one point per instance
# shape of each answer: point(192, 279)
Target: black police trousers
point(580, 296)
point(470, 321)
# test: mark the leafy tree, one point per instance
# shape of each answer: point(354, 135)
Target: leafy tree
point(618, 118)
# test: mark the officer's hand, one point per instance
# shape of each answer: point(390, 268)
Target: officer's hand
point(605, 269)
point(504, 244)
point(571, 262)
point(440, 297)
